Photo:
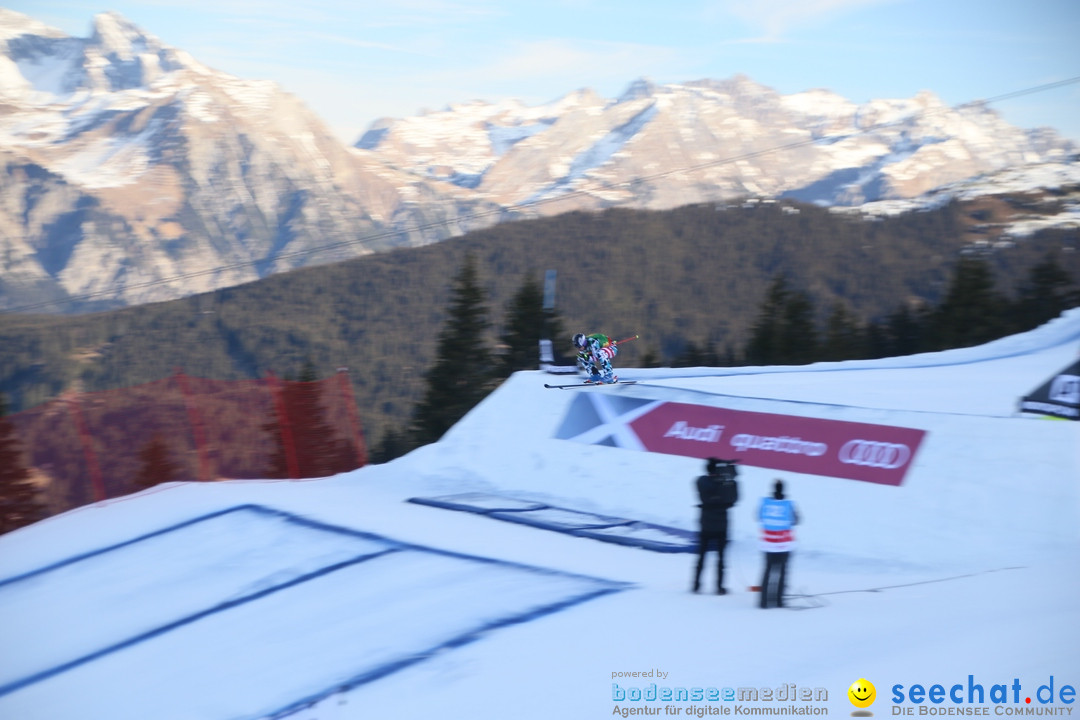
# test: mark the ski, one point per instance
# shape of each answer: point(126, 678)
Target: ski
point(588, 384)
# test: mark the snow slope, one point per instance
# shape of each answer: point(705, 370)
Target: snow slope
point(965, 575)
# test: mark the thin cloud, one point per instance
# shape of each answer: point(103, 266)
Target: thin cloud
point(372, 13)
point(347, 41)
point(556, 58)
point(774, 20)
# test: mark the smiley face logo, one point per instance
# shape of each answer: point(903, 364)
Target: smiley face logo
point(862, 693)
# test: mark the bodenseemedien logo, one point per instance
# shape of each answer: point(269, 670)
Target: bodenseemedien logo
point(862, 694)
point(700, 701)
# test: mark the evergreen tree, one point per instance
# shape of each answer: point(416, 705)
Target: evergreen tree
point(728, 359)
point(316, 448)
point(651, 358)
point(906, 332)
point(799, 341)
point(20, 503)
point(709, 356)
point(784, 333)
point(527, 323)
point(766, 337)
point(155, 465)
point(876, 342)
point(691, 356)
point(462, 374)
point(394, 444)
point(1047, 293)
point(694, 355)
point(973, 312)
point(843, 339)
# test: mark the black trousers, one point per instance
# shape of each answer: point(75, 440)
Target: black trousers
point(772, 583)
point(706, 539)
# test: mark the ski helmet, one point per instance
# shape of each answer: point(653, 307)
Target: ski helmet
point(579, 340)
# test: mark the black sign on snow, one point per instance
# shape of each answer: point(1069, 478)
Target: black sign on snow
point(1059, 396)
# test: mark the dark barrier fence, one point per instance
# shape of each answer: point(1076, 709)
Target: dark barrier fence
point(87, 447)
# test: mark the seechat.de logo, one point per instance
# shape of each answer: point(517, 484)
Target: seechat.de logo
point(862, 695)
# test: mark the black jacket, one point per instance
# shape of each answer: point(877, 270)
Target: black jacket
point(717, 493)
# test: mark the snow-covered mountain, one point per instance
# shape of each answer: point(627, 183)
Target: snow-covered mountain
point(130, 172)
point(660, 146)
point(126, 162)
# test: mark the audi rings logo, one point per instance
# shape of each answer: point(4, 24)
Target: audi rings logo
point(870, 453)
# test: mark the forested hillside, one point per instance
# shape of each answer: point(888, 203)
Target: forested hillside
point(686, 279)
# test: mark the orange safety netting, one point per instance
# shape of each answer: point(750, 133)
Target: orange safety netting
point(87, 447)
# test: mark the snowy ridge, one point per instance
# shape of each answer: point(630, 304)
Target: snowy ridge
point(1030, 178)
point(13, 24)
point(842, 154)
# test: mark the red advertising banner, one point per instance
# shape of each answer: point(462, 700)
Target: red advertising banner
point(879, 454)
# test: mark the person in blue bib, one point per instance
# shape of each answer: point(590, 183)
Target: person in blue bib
point(778, 517)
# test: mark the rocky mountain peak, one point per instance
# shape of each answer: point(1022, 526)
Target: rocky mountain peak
point(121, 56)
point(115, 35)
point(640, 88)
point(13, 24)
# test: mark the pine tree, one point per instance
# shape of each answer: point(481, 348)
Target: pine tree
point(695, 356)
point(876, 341)
point(527, 323)
point(710, 357)
point(394, 444)
point(784, 333)
point(766, 337)
point(907, 332)
point(973, 312)
point(691, 356)
point(462, 374)
point(155, 465)
point(1047, 293)
point(728, 359)
point(799, 340)
point(651, 358)
point(20, 503)
point(843, 339)
point(316, 449)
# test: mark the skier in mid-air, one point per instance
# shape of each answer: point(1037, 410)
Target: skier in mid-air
point(594, 353)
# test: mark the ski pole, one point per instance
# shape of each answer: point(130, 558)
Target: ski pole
point(620, 342)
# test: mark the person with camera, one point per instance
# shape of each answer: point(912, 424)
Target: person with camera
point(718, 491)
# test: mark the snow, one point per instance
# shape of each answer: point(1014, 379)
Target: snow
point(1024, 178)
point(110, 161)
point(505, 137)
point(337, 599)
point(818, 104)
point(14, 24)
point(119, 37)
point(50, 75)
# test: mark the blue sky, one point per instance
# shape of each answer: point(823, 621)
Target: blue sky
point(353, 61)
